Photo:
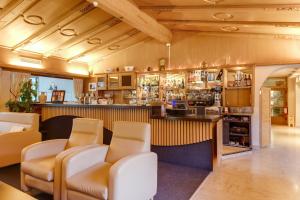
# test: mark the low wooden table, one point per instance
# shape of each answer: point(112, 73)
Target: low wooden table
point(8, 192)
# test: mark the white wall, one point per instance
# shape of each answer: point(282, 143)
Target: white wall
point(297, 94)
point(291, 97)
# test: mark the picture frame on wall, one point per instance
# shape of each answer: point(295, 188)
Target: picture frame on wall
point(92, 87)
point(58, 96)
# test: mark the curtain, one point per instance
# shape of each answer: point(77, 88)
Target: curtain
point(78, 87)
point(16, 79)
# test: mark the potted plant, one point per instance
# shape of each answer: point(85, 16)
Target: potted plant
point(24, 98)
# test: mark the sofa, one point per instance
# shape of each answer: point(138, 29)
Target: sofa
point(17, 130)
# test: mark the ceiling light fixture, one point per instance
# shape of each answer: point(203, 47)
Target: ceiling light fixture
point(33, 19)
point(229, 28)
point(69, 32)
point(95, 3)
point(212, 1)
point(94, 41)
point(114, 47)
point(222, 16)
point(28, 62)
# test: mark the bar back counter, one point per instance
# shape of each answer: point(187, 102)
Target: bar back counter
point(194, 141)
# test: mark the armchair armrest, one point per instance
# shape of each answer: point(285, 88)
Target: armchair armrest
point(134, 177)
point(58, 166)
point(43, 149)
point(79, 161)
point(12, 144)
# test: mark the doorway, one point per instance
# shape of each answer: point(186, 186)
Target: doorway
point(278, 102)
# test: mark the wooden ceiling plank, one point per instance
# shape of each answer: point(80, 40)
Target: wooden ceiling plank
point(122, 49)
point(244, 34)
point(89, 33)
point(132, 15)
point(74, 11)
point(218, 6)
point(256, 23)
point(106, 44)
point(12, 6)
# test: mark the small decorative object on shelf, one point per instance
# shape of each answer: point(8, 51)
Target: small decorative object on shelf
point(58, 96)
point(92, 87)
point(162, 64)
point(42, 97)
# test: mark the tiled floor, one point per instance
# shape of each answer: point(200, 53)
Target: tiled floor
point(268, 174)
point(231, 149)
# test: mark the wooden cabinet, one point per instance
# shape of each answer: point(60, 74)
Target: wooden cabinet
point(120, 81)
point(101, 82)
point(113, 81)
point(127, 80)
point(238, 97)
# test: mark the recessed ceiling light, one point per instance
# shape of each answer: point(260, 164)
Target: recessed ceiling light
point(212, 1)
point(68, 32)
point(33, 19)
point(222, 16)
point(95, 3)
point(114, 47)
point(230, 28)
point(94, 41)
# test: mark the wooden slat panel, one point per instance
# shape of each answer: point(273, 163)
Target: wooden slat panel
point(164, 132)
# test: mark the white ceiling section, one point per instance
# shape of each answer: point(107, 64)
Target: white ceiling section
point(80, 30)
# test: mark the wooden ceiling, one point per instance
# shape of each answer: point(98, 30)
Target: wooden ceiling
point(80, 30)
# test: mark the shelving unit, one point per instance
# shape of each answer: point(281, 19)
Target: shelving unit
point(237, 130)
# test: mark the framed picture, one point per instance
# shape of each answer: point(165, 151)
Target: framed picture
point(58, 96)
point(92, 87)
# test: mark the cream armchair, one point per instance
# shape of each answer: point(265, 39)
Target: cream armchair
point(17, 130)
point(125, 170)
point(42, 162)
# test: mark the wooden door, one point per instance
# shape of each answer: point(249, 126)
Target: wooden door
point(265, 117)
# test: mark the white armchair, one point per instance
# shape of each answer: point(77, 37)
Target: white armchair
point(12, 140)
point(42, 162)
point(126, 170)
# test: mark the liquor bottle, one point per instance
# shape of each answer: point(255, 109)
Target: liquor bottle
point(249, 81)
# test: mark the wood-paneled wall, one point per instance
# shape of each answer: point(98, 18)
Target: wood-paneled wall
point(190, 49)
point(164, 132)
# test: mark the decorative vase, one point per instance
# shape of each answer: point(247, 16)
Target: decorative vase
point(43, 98)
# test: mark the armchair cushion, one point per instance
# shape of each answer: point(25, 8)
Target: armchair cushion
point(86, 131)
point(42, 168)
point(123, 147)
point(93, 181)
point(7, 126)
point(16, 129)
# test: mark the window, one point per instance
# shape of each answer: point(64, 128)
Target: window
point(48, 84)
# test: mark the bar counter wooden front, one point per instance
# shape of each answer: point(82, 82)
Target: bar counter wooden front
point(166, 131)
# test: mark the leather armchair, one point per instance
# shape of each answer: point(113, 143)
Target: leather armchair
point(12, 143)
point(125, 170)
point(42, 162)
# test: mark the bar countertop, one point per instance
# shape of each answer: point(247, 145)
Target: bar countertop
point(204, 118)
point(92, 105)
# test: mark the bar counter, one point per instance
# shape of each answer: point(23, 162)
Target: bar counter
point(172, 136)
point(166, 130)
